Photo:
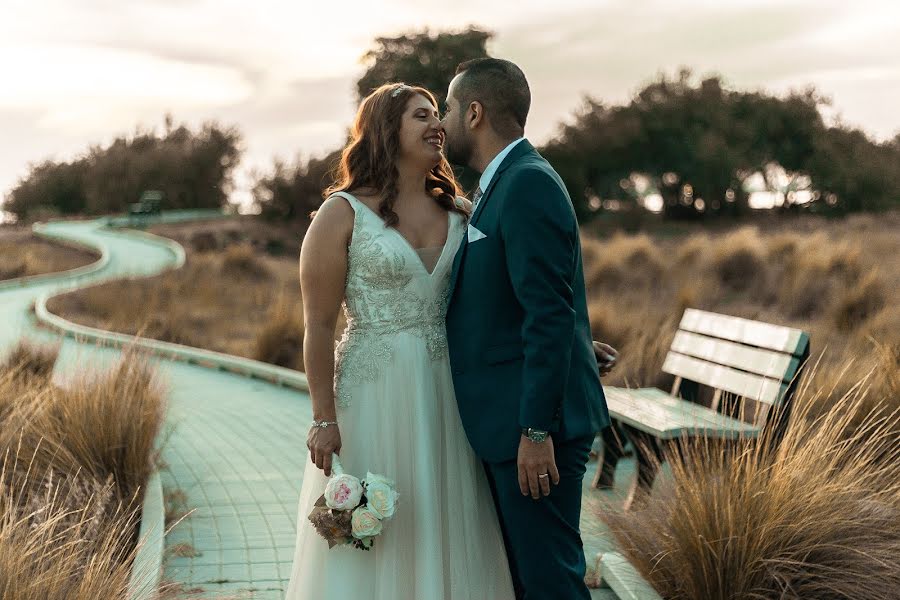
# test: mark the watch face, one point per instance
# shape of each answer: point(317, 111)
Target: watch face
point(537, 436)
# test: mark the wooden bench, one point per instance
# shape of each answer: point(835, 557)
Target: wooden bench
point(149, 204)
point(753, 368)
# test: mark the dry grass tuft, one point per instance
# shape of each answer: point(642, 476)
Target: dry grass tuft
point(693, 249)
point(634, 260)
point(856, 304)
point(817, 518)
point(814, 272)
point(198, 305)
point(73, 465)
point(204, 241)
point(794, 273)
point(13, 268)
point(241, 262)
point(739, 260)
point(23, 254)
point(280, 341)
point(32, 360)
point(110, 422)
point(822, 277)
point(64, 550)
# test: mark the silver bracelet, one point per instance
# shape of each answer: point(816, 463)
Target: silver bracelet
point(323, 424)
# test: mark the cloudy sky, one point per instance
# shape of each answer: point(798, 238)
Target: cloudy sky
point(80, 72)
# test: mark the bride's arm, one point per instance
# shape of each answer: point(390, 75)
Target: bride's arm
point(323, 269)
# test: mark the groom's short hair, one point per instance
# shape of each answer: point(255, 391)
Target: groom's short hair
point(500, 86)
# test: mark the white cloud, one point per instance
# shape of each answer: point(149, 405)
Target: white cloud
point(83, 89)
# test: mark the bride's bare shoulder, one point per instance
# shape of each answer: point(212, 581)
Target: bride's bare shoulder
point(336, 215)
point(371, 198)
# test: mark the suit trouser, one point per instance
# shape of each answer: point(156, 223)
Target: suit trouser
point(542, 537)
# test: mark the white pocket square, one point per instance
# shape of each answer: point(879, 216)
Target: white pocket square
point(474, 234)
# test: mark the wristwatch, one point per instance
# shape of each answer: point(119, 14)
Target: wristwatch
point(535, 435)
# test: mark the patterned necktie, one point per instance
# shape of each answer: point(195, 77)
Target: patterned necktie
point(476, 197)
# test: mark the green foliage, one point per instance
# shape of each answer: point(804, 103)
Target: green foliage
point(292, 193)
point(421, 58)
point(50, 185)
point(192, 168)
point(854, 173)
point(712, 138)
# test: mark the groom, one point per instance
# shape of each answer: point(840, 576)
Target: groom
point(524, 368)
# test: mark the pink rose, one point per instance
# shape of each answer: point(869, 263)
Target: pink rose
point(343, 492)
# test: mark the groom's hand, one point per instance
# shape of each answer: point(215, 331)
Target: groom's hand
point(535, 460)
point(606, 357)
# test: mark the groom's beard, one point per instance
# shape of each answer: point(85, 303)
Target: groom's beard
point(459, 152)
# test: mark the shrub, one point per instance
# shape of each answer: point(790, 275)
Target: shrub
point(819, 517)
point(240, 260)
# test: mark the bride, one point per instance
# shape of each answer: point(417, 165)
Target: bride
point(383, 244)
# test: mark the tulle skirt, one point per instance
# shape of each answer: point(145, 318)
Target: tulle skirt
point(444, 542)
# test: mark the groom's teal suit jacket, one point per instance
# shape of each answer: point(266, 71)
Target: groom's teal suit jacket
point(517, 324)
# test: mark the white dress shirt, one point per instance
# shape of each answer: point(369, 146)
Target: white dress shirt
point(492, 167)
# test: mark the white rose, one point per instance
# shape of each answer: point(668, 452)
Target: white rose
point(343, 492)
point(365, 523)
point(381, 495)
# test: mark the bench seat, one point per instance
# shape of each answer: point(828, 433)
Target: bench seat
point(667, 417)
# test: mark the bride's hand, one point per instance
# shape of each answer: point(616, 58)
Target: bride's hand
point(322, 442)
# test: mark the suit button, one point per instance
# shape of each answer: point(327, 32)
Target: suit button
point(457, 371)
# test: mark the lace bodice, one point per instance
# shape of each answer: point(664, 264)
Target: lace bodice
point(389, 293)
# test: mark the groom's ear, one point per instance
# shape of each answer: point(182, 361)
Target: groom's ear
point(474, 114)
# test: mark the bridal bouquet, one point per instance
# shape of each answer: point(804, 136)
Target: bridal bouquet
point(353, 511)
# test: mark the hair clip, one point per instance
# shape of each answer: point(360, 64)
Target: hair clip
point(399, 89)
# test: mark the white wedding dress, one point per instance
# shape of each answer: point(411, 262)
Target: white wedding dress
point(398, 417)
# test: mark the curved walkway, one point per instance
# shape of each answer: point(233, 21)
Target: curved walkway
point(237, 444)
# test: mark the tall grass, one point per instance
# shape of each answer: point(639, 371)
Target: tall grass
point(23, 254)
point(63, 546)
point(218, 301)
point(281, 340)
point(817, 517)
point(73, 465)
point(832, 279)
point(28, 359)
point(240, 261)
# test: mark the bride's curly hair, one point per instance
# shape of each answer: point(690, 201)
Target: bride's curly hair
point(370, 158)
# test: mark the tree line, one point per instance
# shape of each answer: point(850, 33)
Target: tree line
point(192, 167)
point(693, 142)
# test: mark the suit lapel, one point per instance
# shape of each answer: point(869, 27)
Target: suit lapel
point(457, 261)
point(522, 148)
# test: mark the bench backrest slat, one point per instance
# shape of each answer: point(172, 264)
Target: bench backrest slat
point(745, 331)
point(775, 365)
point(741, 383)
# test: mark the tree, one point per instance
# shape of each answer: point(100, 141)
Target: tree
point(54, 187)
point(421, 58)
point(194, 169)
point(292, 193)
point(697, 141)
point(853, 173)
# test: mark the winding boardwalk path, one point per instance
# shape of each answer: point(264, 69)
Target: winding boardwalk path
point(237, 445)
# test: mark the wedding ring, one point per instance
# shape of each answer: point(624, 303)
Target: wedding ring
point(544, 475)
